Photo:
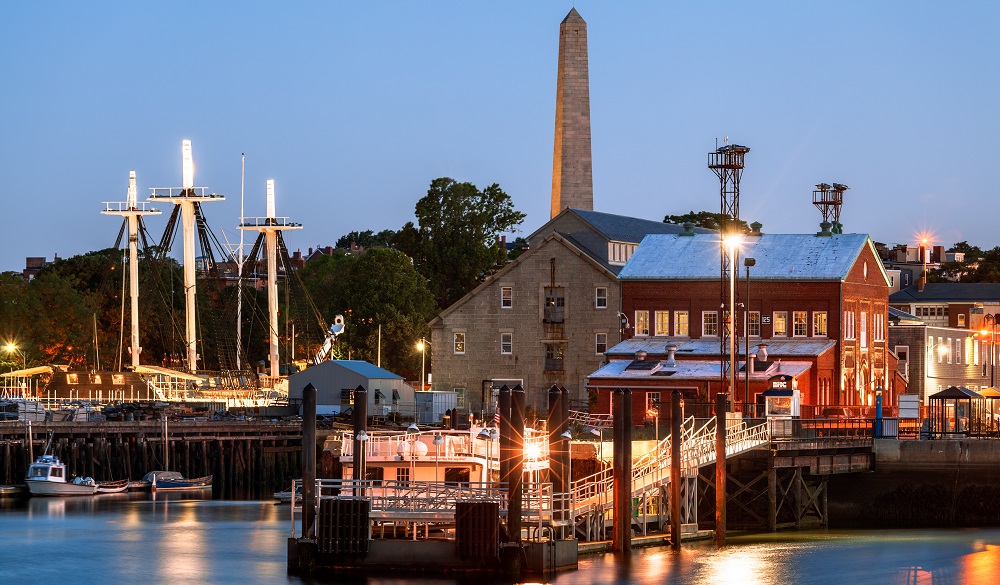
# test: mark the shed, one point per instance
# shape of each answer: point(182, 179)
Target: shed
point(953, 411)
point(335, 381)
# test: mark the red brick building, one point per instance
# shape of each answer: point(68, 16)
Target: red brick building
point(820, 300)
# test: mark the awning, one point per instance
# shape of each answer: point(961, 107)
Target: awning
point(167, 372)
point(395, 394)
point(28, 372)
point(379, 395)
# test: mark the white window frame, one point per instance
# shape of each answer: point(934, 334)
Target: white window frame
point(804, 323)
point(656, 323)
point(705, 323)
point(458, 342)
point(506, 339)
point(820, 316)
point(599, 340)
point(774, 323)
point(506, 300)
point(642, 323)
point(686, 321)
point(601, 297)
point(753, 324)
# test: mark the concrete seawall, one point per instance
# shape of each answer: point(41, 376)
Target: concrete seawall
point(921, 484)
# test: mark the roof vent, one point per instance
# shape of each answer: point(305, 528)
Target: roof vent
point(755, 228)
point(671, 350)
point(824, 227)
point(688, 229)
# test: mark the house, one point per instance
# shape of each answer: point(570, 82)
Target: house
point(950, 304)
point(335, 381)
point(820, 300)
point(544, 319)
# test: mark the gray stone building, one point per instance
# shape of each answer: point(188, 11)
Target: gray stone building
point(546, 318)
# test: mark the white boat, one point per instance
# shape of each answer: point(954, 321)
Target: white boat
point(47, 477)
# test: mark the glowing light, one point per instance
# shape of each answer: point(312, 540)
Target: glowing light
point(131, 190)
point(732, 241)
point(532, 451)
point(187, 165)
point(420, 346)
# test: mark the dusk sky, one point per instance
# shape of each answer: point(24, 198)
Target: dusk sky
point(353, 108)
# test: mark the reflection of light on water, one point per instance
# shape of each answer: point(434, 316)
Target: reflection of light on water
point(980, 566)
point(183, 557)
point(739, 565)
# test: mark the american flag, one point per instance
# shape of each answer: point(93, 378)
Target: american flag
point(496, 414)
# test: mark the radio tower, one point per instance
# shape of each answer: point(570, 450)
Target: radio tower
point(727, 164)
point(189, 198)
point(270, 226)
point(132, 212)
point(828, 199)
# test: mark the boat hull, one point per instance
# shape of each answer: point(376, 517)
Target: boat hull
point(167, 485)
point(52, 488)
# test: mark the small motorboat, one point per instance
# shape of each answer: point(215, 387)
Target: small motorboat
point(174, 481)
point(47, 477)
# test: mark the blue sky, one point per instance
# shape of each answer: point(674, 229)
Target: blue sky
point(353, 108)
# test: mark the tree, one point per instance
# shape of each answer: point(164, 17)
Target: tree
point(705, 219)
point(971, 252)
point(366, 239)
point(455, 240)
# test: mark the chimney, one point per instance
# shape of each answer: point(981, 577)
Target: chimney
point(310, 251)
point(762, 352)
point(688, 229)
point(755, 229)
point(751, 358)
point(671, 350)
point(640, 355)
point(824, 227)
point(920, 284)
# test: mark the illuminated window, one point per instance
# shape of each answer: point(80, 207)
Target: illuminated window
point(506, 297)
point(780, 324)
point(555, 304)
point(662, 323)
point(642, 322)
point(753, 324)
point(800, 323)
point(681, 323)
point(118, 379)
point(819, 323)
point(460, 343)
point(709, 323)
point(72, 378)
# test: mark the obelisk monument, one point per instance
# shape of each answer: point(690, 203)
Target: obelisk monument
point(572, 168)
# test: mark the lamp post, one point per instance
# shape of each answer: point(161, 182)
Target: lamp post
point(414, 432)
point(489, 435)
point(654, 412)
point(11, 348)
point(991, 321)
point(732, 242)
point(438, 441)
point(422, 346)
point(747, 262)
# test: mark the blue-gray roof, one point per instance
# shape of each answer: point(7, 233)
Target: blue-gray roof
point(367, 370)
point(778, 257)
point(968, 292)
point(630, 229)
point(898, 317)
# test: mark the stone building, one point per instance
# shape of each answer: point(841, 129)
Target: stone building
point(821, 299)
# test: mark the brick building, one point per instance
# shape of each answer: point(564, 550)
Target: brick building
point(818, 299)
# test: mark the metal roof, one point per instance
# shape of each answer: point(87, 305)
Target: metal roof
point(367, 370)
point(654, 346)
point(778, 257)
point(898, 317)
point(688, 370)
point(621, 228)
point(948, 291)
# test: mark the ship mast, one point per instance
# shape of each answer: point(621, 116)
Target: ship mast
point(187, 197)
point(270, 226)
point(132, 211)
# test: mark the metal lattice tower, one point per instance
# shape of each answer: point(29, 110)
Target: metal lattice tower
point(829, 199)
point(727, 164)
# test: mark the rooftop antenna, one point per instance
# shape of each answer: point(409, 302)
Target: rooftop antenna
point(727, 164)
point(132, 211)
point(187, 197)
point(270, 226)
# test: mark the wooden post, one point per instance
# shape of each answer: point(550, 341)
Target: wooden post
point(556, 426)
point(721, 406)
point(360, 420)
point(517, 463)
point(309, 461)
point(622, 415)
point(676, 415)
point(772, 496)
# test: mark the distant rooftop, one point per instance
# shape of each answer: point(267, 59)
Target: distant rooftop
point(657, 346)
point(622, 228)
point(948, 291)
point(688, 370)
point(367, 369)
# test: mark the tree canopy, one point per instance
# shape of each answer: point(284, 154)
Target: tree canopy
point(454, 243)
point(705, 219)
point(366, 239)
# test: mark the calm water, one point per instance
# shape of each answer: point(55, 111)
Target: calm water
point(130, 538)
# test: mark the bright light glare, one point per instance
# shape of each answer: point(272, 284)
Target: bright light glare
point(420, 346)
point(532, 451)
point(732, 241)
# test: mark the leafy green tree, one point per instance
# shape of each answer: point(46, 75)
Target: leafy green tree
point(366, 239)
point(706, 219)
point(454, 242)
point(520, 247)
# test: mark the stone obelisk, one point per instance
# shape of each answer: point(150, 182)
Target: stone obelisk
point(572, 168)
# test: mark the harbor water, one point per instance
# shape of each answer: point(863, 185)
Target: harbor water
point(173, 539)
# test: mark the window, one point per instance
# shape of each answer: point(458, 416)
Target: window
point(72, 378)
point(506, 343)
point(753, 324)
point(709, 323)
point(950, 349)
point(601, 298)
point(506, 297)
point(652, 400)
point(959, 346)
point(346, 397)
point(459, 397)
point(555, 304)
point(459, 342)
point(554, 353)
point(961, 320)
point(878, 327)
point(455, 475)
point(800, 323)
point(819, 324)
point(600, 343)
point(402, 474)
point(864, 329)
point(642, 322)
point(848, 324)
point(118, 379)
point(681, 323)
point(662, 323)
point(780, 324)
point(975, 352)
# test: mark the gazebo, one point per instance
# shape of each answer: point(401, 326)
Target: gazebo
point(989, 424)
point(951, 411)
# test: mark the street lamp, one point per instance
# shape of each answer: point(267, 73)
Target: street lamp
point(991, 321)
point(11, 348)
point(438, 441)
point(422, 347)
point(747, 262)
point(732, 242)
point(489, 435)
point(654, 412)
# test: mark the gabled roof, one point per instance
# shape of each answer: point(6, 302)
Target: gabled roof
point(778, 257)
point(961, 292)
point(555, 238)
point(619, 228)
point(897, 317)
point(368, 370)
